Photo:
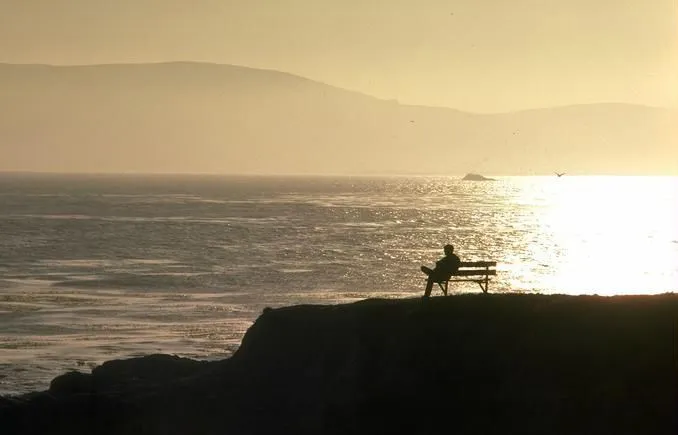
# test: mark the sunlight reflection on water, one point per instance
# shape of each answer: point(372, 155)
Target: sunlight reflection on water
point(607, 235)
point(93, 270)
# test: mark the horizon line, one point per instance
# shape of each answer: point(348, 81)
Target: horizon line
point(304, 174)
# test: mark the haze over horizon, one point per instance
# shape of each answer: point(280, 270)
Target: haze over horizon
point(476, 56)
point(482, 87)
point(311, 79)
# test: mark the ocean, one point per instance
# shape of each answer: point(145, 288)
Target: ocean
point(97, 267)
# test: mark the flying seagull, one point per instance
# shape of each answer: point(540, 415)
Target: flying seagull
point(560, 174)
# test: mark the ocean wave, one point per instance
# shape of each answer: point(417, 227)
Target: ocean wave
point(155, 219)
point(149, 281)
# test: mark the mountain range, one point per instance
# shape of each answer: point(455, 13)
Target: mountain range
point(208, 118)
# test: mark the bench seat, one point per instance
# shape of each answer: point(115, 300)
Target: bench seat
point(472, 271)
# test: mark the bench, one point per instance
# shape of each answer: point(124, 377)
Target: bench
point(480, 269)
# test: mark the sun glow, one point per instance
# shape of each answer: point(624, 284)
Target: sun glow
point(610, 235)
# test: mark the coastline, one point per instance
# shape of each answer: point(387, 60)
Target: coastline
point(497, 363)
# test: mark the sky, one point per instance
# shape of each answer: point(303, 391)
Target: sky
point(473, 55)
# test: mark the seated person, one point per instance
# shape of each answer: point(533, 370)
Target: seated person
point(444, 269)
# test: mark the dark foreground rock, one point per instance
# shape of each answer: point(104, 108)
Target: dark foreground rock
point(468, 364)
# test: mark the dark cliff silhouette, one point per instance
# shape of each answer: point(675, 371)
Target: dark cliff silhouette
point(466, 364)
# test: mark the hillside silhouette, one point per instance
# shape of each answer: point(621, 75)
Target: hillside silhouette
point(465, 364)
point(197, 117)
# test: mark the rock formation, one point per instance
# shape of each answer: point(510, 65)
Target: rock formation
point(489, 364)
point(476, 177)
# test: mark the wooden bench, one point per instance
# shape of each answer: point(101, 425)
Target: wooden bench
point(480, 269)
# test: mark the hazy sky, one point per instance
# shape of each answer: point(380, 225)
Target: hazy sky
point(478, 55)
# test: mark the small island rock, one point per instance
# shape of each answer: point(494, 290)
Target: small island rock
point(476, 177)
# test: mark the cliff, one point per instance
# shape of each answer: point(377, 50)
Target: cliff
point(490, 364)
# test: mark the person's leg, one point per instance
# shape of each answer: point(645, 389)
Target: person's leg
point(429, 283)
point(429, 286)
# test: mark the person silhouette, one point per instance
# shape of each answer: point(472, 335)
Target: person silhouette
point(445, 268)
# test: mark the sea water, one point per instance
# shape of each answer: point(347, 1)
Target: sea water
point(97, 267)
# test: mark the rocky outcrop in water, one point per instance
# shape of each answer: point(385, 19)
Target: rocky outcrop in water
point(490, 364)
point(476, 177)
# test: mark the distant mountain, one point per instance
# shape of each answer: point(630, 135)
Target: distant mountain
point(195, 117)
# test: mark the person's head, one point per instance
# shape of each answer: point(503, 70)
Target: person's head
point(448, 249)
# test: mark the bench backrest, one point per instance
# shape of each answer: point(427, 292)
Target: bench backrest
point(476, 268)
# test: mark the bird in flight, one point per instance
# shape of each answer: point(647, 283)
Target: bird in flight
point(560, 174)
